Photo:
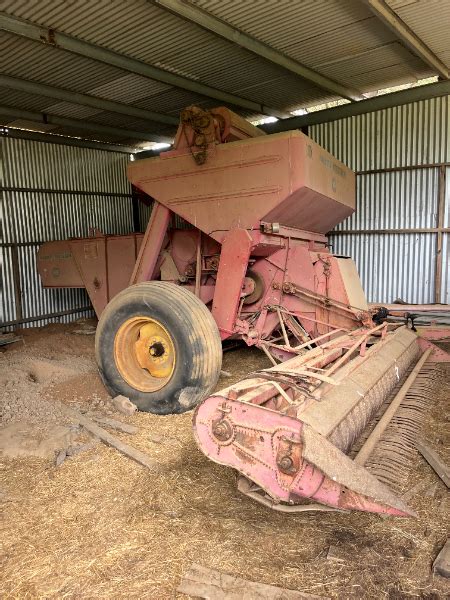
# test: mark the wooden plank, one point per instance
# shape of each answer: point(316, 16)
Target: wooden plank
point(441, 469)
point(203, 582)
point(9, 338)
point(441, 565)
point(109, 439)
point(113, 424)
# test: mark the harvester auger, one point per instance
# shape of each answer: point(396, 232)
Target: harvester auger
point(254, 265)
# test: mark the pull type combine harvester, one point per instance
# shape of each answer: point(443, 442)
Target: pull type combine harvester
point(254, 265)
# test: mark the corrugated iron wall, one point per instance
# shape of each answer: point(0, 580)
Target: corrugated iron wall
point(52, 192)
point(397, 235)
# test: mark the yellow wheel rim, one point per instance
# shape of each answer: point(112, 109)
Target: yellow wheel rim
point(144, 353)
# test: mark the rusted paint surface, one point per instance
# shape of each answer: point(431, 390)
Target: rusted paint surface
point(284, 178)
point(262, 440)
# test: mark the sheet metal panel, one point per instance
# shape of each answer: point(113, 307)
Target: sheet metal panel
point(399, 200)
point(429, 20)
point(342, 40)
point(412, 134)
point(397, 265)
point(38, 301)
point(392, 266)
point(90, 189)
point(37, 165)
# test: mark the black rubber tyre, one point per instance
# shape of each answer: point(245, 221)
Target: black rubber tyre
point(195, 341)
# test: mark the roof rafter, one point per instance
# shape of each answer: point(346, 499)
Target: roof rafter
point(49, 119)
point(56, 93)
point(211, 23)
point(65, 140)
point(415, 94)
point(390, 18)
point(61, 40)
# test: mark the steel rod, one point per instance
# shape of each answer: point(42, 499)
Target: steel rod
point(368, 446)
point(403, 168)
point(390, 231)
point(417, 94)
point(198, 265)
point(63, 140)
point(63, 313)
point(439, 241)
point(16, 281)
point(26, 190)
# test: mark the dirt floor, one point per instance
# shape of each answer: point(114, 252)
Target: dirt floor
point(101, 526)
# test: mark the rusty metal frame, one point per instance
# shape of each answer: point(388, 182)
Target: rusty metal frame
point(20, 319)
point(27, 190)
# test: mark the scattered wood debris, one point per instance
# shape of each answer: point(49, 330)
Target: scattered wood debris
point(78, 448)
point(87, 331)
point(432, 458)
point(60, 457)
point(441, 565)
point(109, 439)
point(113, 424)
point(73, 450)
point(335, 555)
point(9, 338)
point(208, 583)
point(124, 405)
point(225, 373)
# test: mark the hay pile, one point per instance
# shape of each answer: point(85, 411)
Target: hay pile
point(101, 526)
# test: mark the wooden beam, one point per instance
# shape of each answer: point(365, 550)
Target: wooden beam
point(437, 464)
point(110, 440)
point(203, 582)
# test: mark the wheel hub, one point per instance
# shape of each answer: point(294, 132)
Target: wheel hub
point(144, 353)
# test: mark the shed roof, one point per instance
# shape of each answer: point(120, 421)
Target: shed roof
point(239, 50)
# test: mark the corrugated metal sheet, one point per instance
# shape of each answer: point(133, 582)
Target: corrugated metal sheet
point(412, 134)
point(395, 200)
point(85, 188)
point(339, 39)
point(148, 33)
point(51, 65)
point(394, 265)
point(445, 288)
point(7, 298)
point(429, 19)
point(38, 165)
point(343, 40)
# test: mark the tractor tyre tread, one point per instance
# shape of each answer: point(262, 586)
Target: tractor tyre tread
point(195, 335)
